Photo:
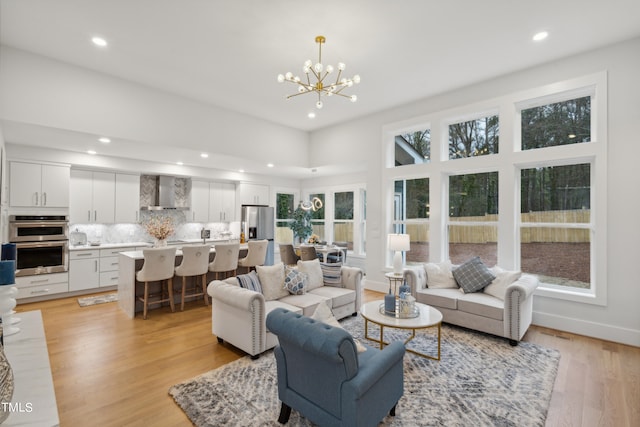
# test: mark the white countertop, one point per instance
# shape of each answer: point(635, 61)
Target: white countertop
point(180, 242)
point(139, 255)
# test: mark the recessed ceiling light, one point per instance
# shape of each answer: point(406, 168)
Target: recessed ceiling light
point(540, 36)
point(241, 170)
point(91, 152)
point(311, 115)
point(104, 140)
point(179, 163)
point(204, 155)
point(99, 41)
point(270, 165)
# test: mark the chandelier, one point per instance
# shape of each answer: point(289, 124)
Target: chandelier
point(313, 204)
point(317, 76)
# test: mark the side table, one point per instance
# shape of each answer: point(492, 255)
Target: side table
point(394, 279)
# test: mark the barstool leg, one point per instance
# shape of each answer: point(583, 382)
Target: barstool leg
point(204, 289)
point(146, 300)
point(171, 302)
point(184, 289)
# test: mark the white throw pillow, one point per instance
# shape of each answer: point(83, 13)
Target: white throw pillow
point(439, 275)
point(504, 278)
point(272, 281)
point(314, 273)
point(324, 314)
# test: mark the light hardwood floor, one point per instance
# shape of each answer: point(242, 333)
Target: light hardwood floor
point(109, 370)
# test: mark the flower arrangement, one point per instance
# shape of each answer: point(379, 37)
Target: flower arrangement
point(314, 238)
point(159, 227)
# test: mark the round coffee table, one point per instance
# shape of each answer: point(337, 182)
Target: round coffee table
point(428, 317)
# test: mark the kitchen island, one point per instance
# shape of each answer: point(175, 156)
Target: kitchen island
point(130, 262)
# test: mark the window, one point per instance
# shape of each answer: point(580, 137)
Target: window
point(284, 214)
point(413, 147)
point(318, 217)
point(533, 199)
point(555, 235)
point(560, 123)
point(473, 217)
point(474, 138)
point(411, 216)
point(343, 218)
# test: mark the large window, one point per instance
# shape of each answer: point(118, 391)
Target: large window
point(411, 216)
point(343, 218)
point(412, 147)
point(527, 199)
point(473, 217)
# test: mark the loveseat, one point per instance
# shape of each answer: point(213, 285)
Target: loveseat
point(240, 304)
point(503, 307)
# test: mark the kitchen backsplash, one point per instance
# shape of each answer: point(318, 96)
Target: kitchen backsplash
point(128, 233)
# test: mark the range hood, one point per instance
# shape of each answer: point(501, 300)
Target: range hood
point(164, 195)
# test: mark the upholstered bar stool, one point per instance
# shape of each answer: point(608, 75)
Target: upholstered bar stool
point(226, 259)
point(159, 265)
point(256, 255)
point(195, 262)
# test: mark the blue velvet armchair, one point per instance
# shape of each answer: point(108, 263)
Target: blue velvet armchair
point(324, 378)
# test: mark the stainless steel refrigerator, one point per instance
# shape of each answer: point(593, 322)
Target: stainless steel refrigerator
point(257, 224)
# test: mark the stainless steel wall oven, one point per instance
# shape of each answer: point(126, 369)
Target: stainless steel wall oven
point(42, 243)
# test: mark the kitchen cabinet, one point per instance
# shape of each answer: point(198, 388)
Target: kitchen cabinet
point(222, 202)
point(254, 194)
point(38, 185)
point(92, 197)
point(199, 201)
point(42, 285)
point(127, 198)
point(84, 269)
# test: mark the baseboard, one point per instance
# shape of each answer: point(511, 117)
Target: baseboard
point(561, 323)
point(587, 328)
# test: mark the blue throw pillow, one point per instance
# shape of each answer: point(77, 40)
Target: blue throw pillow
point(250, 281)
point(473, 275)
point(331, 274)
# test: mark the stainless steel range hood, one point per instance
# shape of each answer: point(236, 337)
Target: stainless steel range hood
point(165, 195)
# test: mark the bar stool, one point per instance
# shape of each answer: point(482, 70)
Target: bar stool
point(226, 258)
point(159, 264)
point(308, 253)
point(288, 254)
point(256, 254)
point(195, 262)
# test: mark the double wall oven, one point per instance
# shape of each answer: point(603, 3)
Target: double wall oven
point(42, 243)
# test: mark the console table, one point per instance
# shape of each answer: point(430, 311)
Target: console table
point(34, 398)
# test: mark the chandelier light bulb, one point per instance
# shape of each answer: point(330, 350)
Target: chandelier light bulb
point(353, 98)
point(319, 105)
point(289, 75)
point(318, 67)
point(329, 69)
point(356, 78)
point(301, 89)
point(306, 69)
point(341, 66)
point(308, 63)
point(296, 79)
point(280, 78)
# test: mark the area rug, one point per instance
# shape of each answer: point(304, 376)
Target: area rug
point(480, 381)
point(98, 299)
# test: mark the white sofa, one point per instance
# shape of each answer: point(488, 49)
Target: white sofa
point(504, 308)
point(238, 314)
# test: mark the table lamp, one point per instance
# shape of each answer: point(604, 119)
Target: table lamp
point(398, 243)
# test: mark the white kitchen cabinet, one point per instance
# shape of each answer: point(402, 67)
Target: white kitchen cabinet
point(42, 285)
point(38, 185)
point(254, 194)
point(92, 197)
point(84, 270)
point(199, 201)
point(127, 198)
point(222, 202)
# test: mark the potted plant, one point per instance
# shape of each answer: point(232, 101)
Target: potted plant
point(301, 224)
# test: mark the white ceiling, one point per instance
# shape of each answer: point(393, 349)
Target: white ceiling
point(228, 53)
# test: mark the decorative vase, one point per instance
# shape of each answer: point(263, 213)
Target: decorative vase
point(6, 382)
point(160, 243)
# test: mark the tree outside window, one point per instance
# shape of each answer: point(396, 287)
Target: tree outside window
point(474, 138)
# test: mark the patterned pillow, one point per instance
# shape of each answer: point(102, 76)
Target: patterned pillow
point(473, 275)
point(331, 275)
point(250, 281)
point(295, 281)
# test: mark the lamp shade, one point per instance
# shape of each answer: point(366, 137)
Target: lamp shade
point(398, 242)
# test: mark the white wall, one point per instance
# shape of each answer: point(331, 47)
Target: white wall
point(41, 91)
point(619, 320)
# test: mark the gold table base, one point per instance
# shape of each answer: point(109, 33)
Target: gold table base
point(382, 343)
